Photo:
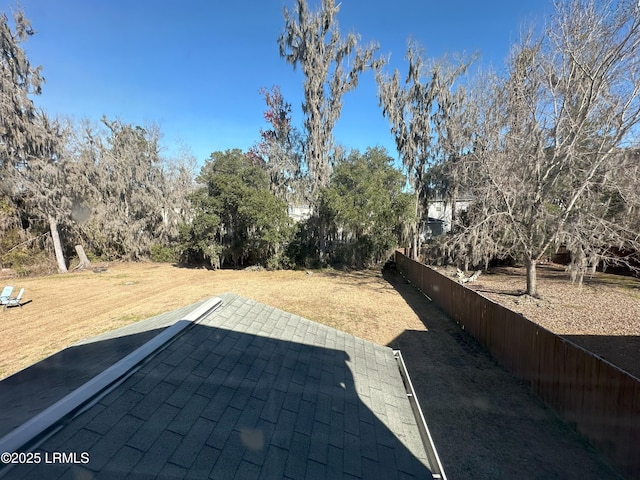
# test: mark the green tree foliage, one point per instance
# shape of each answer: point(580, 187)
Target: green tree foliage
point(237, 219)
point(365, 208)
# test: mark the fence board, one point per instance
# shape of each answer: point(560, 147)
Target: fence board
point(599, 399)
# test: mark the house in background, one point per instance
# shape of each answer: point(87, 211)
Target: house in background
point(432, 228)
point(226, 388)
point(299, 213)
point(439, 211)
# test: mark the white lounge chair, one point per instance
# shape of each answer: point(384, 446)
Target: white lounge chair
point(15, 301)
point(5, 296)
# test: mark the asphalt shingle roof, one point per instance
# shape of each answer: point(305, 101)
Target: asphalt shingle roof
point(249, 392)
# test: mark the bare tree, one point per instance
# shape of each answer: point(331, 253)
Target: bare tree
point(411, 110)
point(553, 143)
point(176, 185)
point(125, 198)
point(127, 202)
point(331, 65)
point(20, 135)
point(454, 122)
point(281, 150)
point(30, 170)
point(43, 184)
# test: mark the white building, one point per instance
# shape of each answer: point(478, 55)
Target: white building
point(439, 211)
point(299, 213)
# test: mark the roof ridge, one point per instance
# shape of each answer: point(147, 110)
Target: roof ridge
point(75, 400)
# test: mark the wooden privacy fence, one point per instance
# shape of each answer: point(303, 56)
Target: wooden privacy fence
point(601, 400)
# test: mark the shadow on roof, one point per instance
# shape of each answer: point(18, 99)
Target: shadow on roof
point(218, 403)
point(49, 380)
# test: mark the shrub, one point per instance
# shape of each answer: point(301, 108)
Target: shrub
point(163, 253)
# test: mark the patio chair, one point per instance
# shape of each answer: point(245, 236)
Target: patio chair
point(6, 294)
point(12, 302)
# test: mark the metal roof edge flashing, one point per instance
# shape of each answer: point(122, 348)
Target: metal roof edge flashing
point(25, 434)
point(429, 446)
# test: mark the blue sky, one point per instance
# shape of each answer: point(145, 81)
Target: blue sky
point(194, 67)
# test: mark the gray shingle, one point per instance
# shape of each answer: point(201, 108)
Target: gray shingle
point(108, 445)
point(171, 471)
point(127, 457)
point(250, 414)
point(248, 471)
point(185, 391)
point(82, 435)
point(352, 455)
point(273, 406)
point(150, 377)
point(258, 456)
point(336, 430)
point(186, 453)
point(210, 386)
point(176, 375)
point(111, 414)
point(274, 465)
point(323, 408)
point(204, 462)
point(243, 393)
point(335, 462)
point(305, 417)
point(284, 430)
point(153, 400)
point(228, 462)
point(253, 392)
point(351, 419)
point(369, 445)
point(148, 433)
point(224, 427)
point(298, 454)
point(154, 459)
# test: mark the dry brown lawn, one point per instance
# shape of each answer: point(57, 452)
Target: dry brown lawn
point(63, 309)
point(603, 315)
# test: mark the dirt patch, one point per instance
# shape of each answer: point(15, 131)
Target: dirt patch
point(602, 315)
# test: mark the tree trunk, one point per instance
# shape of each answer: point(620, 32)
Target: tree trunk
point(84, 261)
point(453, 199)
point(322, 244)
point(416, 229)
point(414, 245)
point(57, 245)
point(532, 281)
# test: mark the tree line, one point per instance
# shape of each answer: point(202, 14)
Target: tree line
point(547, 151)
